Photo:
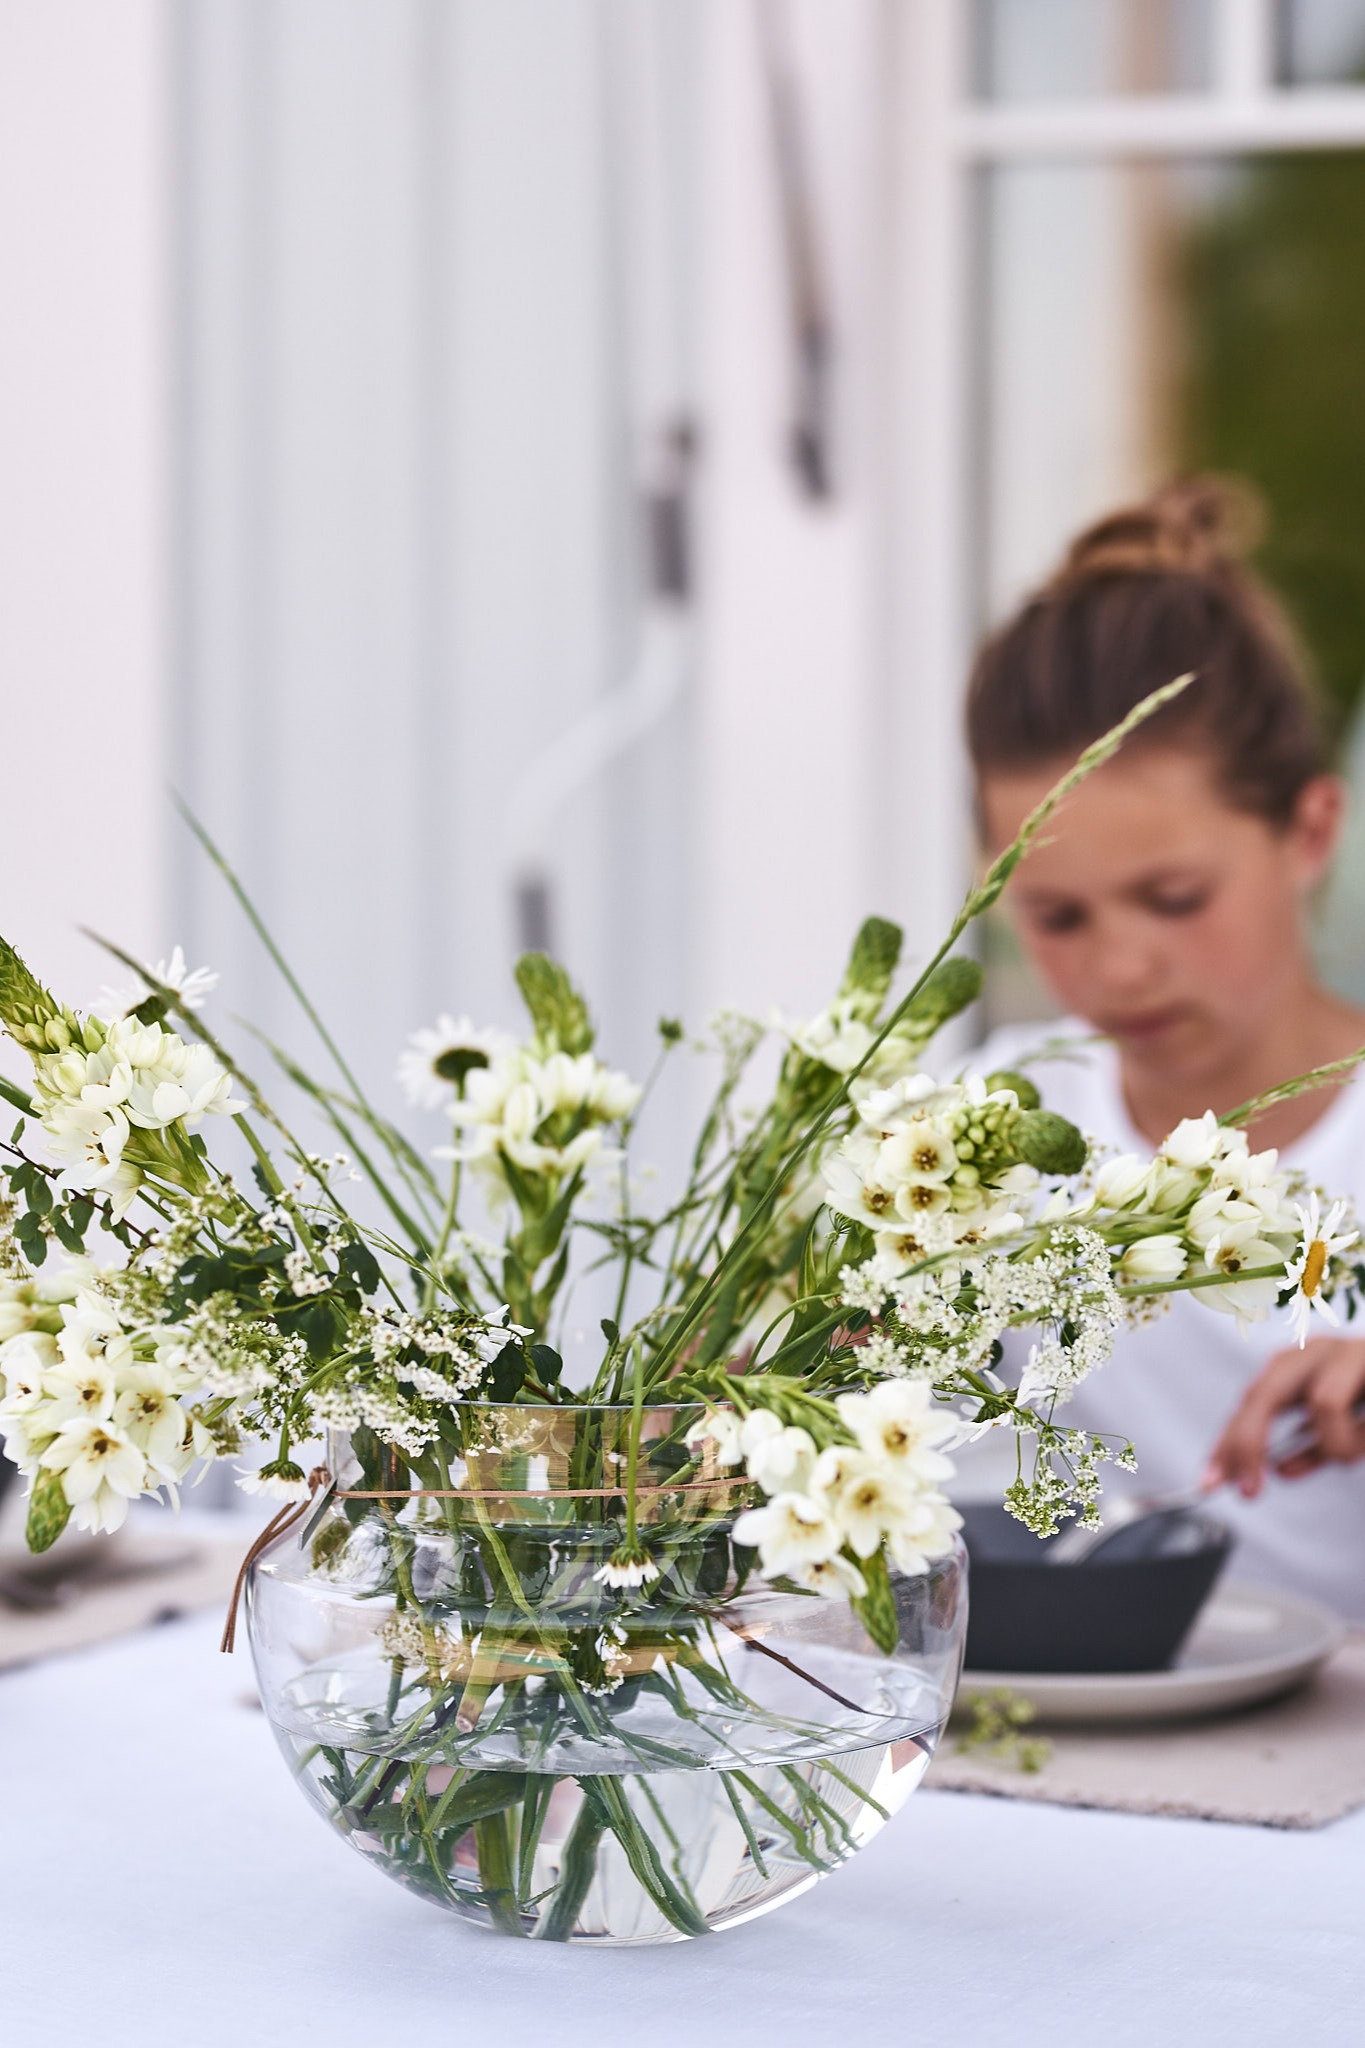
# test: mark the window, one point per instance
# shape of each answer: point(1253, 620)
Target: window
point(1165, 233)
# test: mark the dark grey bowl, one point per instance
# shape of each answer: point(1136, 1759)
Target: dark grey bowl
point(1113, 1614)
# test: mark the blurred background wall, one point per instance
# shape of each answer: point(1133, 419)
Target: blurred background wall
point(533, 473)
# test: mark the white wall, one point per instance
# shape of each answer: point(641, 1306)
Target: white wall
point(84, 255)
point(786, 717)
point(830, 756)
point(418, 391)
point(340, 337)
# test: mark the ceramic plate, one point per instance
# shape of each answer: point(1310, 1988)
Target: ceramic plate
point(1249, 1644)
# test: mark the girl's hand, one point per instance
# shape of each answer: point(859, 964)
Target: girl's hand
point(1327, 1379)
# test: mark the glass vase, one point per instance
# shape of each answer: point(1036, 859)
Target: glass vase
point(468, 1688)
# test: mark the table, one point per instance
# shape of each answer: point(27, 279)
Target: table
point(161, 1879)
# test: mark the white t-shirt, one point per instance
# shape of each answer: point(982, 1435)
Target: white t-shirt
point(1172, 1385)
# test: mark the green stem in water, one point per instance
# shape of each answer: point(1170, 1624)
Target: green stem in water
point(576, 1873)
point(633, 1449)
point(493, 1839)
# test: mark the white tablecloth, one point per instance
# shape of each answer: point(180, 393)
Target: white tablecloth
point(161, 1879)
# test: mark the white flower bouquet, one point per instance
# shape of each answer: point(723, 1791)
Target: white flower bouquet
point(798, 1339)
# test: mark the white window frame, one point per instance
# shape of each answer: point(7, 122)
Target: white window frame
point(945, 136)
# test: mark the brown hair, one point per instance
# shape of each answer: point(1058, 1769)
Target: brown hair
point(1143, 596)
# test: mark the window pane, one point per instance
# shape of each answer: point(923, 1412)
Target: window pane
point(1147, 320)
point(1322, 42)
point(1073, 49)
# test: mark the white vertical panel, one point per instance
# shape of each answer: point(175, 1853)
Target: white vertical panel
point(83, 356)
point(1244, 47)
point(789, 745)
point(422, 364)
point(533, 510)
point(302, 422)
point(922, 814)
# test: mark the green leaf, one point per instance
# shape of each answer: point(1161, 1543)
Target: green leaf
point(49, 1511)
point(877, 1608)
point(16, 1099)
point(506, 1373)
point(610, 1330)
point(40, 1195)
point(547, 1362)
point(322, 1325)
point(30, 1240)
point(874, 959)
point(67, 1234)
point(360, 1262)
point(558, 1012)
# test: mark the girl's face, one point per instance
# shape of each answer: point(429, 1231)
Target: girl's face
point(1167, 919)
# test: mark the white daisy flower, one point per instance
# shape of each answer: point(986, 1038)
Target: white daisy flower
point(193, 985)
point(281, 1480)
point(437, 1059)
point(1321, 1240)
point(627, 1570)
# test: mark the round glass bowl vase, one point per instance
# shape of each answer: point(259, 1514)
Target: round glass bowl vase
point(478, 1689)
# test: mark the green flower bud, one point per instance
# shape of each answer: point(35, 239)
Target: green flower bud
point(28, 1012)
point(953, 984)
point(1022, 1087)
point(1049, 1142)
point(49, 1511)
point(874, 959)
point(558, 1012)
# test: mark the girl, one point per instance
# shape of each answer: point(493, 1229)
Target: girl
point(1167, 911)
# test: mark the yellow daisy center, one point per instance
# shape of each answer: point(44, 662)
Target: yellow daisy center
point(1314, 1266)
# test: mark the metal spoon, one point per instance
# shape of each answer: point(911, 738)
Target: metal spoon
point(1077, 1545)
point(1291, 1433)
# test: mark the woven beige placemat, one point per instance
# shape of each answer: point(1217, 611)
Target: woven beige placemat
point(1297, 1763)
point(150, 1578)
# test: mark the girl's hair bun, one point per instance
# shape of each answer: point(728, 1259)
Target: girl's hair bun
point(1154, 591)
point(1196, 526)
